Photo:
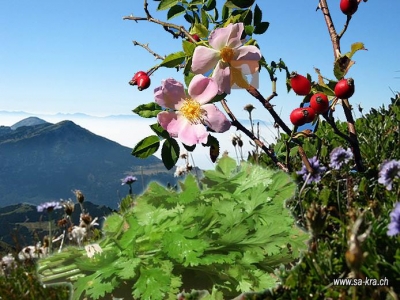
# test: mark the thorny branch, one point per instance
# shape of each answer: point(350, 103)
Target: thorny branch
point(167, 26)
point(146, 47)
point(335, 38)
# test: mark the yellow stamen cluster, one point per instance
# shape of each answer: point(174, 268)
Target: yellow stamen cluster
point(192, 111)
point(227, 54)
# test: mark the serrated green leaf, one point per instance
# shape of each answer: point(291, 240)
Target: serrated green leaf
point(226, 165)
point(152, 284)
point(170, 153)
point(149, 110)
point(188, 47)
point(165, 4)
point(161, 132)
point(174, 59)
point(190, 190)
point(113, 223)
point(261, 28)
point(175, 11)
point(146, 147)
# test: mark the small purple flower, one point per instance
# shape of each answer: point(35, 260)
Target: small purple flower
point(129, 180)
point(394, 225)
point(339, 156)
point(49, 206)
point(318, 170)
point(390, 169)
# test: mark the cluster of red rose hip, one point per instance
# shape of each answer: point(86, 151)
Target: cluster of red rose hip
point(141, 79)
point(319, 103)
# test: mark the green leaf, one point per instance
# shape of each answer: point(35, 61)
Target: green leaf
point(210, 5)
point(188, 47)
point(113, 223)
point(247, 17)
point(189, 148)
point(249, 29)
point(190, 190)
point(165, 4)
point(200, 30)
point(161, 132)
point(257, 15)
point(226, 165)
point(239, 3)
point(175, 11)
point(149, 110)
point(146, 147)
point(261, 28)
point(170, 153)
point(354, 48)
point(152, 284)
point(204, 18)
point(174, 59)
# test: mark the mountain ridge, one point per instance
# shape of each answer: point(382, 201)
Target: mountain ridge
point(47, 161)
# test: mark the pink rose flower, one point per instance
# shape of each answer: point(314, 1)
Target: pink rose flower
point(228, 57)
point(188, 115)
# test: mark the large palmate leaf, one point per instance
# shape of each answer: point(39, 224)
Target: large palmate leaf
point(234, 232)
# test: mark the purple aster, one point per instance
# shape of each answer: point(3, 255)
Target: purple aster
point(49, 206)
point(339, 156)
point(129, 180)
point(394, 225)
point(318, 170)
point(390, 169)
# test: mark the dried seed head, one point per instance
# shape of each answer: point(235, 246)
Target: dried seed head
point(79, 196)
point(86, 219)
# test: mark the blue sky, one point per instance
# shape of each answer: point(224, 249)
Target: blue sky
point(78, 56)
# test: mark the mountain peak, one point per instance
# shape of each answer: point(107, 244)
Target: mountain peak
point(30, 121)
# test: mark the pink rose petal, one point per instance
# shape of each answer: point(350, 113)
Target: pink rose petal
point(204, 59)
point(202, 89)
point(215, 119)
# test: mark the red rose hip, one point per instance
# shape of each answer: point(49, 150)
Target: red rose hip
point(300, 84)
point(320, 103)
point(344, 89)
point(300, 116)
point(143, 82)
point(348, 7)
point(136, 76)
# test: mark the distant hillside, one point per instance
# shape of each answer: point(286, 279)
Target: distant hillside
point(31, 121)
point(44, 162)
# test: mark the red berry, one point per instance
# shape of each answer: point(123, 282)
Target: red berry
point(143, 82)
point(310, 114)
point(136, 76)
point(298, 116)
point(320, 103)
point(300, 84)
point(344, 89)
point(348, 7)
point(195, 37)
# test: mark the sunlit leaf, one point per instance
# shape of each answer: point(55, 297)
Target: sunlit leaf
point(165, 4)
point(146, 147)
point(173, 60)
